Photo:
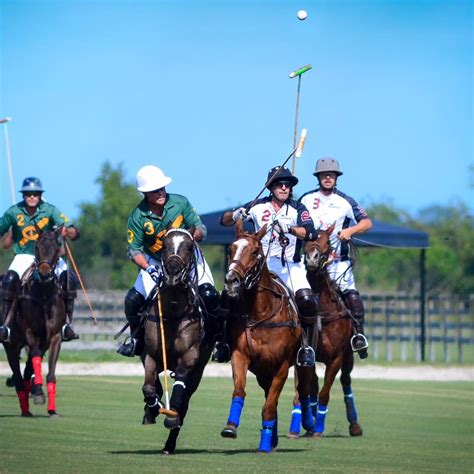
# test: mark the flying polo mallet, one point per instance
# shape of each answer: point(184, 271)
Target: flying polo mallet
point(296, 150)
point(298, 73)
point(167, 410)
point(7, 239)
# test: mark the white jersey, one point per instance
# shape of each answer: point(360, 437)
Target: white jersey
point(338, 209)
point(292, 213)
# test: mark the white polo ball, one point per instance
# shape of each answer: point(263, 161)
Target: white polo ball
point(302, 15)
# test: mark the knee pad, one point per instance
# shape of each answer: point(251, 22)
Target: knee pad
point(10, 284)
point(210, 297)
point(356, 306)
point(134, 302)
point(307, 303)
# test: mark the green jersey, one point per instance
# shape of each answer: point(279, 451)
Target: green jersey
point(23, 225)
point(146, 230)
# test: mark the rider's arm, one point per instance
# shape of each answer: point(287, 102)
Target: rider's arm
point(139, 259)
point(363, 226)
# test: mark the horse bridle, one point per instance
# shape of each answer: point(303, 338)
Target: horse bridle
point(185, 269)
point(51, 264)
point(250, 277)
point(323, 257)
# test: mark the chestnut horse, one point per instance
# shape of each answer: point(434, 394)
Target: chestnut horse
point(189, 335)
point(265, 337)
point(334, 348)
point(40, 314)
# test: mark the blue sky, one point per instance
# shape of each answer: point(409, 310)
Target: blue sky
point(201, 89)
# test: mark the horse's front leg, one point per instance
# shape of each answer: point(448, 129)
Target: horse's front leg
point(347, 365)
point(332, 368)
point(306, 378)
point(240, 365)
point(151, 399)
point(54, 349)
point(36, 355)
point(269, 432)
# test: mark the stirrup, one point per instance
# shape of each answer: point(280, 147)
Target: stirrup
point(68, 333)
point(128, 347)
point(3, 330)
point(359, 342)
point(306, 357)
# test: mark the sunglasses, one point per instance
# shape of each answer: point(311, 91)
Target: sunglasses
point(159, 190)
point(31, 194)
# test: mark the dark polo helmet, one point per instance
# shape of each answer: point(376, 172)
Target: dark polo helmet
point(31, 184)
point(327, 165)
point(278, 174)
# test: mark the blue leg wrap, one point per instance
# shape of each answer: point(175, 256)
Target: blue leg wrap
point(295, 419)
point(314, 404)
point(236, 410)
point(321, 419)
point(275, 434)
point(266, 436)
point(307, 418)
point(351, 411)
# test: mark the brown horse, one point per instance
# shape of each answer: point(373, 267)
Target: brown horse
point(189, 335)
point(40, 314)
point(265, 337)
point(334, 348)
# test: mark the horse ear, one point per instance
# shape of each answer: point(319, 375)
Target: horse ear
point(239, 228)
point(262, 232)
point(330, 229)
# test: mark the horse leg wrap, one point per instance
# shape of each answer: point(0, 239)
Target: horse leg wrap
point(36, 361)
point(351, 411)
point(51, 387)
point(295, 420)
point(321, 418)
point(266, 435)
point(307, 418)
point(177, 395)
point(23, 398)
point(235, 411)
point(313, 399)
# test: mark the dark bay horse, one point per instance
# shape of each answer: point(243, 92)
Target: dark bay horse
point(189, 336)
point(334, 348)
point(265, 338)
point(40, 314)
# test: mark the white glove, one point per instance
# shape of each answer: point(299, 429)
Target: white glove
point(154, 273)
point(240, 214)
point(285, 228)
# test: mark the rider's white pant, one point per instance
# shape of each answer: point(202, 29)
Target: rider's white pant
point(293, 274)
point(144, 283)
point(23, 261)
point(341, 273)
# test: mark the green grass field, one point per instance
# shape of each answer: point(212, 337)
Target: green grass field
point(408, 427)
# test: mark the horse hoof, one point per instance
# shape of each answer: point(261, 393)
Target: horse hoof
point(148, 420)
point(53, 415)
point(171, 422)
point(355, 429)
point(26, 414)
point(229, 432)
point(167, 452)
point(39, 399)
point(291, 435)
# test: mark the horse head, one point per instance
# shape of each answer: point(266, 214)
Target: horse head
point(178, 256)
point(47, 250)
point(317, 251)
point(245, 259)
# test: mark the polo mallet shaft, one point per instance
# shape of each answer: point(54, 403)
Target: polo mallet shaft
point(299, 148)
point(298, 73)
point(4, 122)
point(163, 352)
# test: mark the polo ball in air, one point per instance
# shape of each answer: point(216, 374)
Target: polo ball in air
point(302, 15)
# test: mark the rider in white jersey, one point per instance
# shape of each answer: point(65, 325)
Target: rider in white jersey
point(327, 206)
point(284, 215)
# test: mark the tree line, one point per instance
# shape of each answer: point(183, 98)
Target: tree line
point(101, 253)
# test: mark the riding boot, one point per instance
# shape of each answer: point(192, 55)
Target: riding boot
point(10, 285)
point(359, 342)
point(133, 345)
point(69, 289)
point(307, 303)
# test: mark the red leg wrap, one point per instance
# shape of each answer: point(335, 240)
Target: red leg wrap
point(37, 370)
point(51, 386)
point(23, 397)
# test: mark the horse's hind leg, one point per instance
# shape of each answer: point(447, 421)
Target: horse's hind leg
point(348, 363)
point(54, 349)
point(22, 388)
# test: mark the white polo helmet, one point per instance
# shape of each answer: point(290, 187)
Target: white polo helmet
point(150, 178)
